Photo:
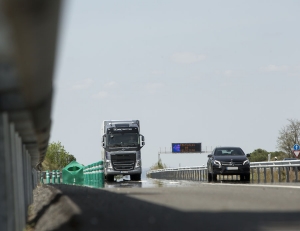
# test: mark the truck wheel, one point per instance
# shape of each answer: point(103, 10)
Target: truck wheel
point(135, 177)
point(110, 178)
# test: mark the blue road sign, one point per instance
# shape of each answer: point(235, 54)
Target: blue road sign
point(296, 147)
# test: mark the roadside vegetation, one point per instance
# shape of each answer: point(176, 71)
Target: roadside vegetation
point(260, 155)
point(56, 157)
point(158, 165)
point(288, 136)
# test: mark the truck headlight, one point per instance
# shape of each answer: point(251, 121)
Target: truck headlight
point(138, 164)
point(108, 164)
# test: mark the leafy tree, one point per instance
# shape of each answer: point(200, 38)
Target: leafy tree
point(56, 157)
point(158, 165)
point(259, 155)
point(288, 136)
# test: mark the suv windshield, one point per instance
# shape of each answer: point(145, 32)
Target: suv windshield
point(229, 151)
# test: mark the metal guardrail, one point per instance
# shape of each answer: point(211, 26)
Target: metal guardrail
point(259, 171)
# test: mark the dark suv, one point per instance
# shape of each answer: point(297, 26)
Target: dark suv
point(228, 161)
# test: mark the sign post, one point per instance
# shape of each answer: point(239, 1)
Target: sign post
point(296, 150)
point(184, 148)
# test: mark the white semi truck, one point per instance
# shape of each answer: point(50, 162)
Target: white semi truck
point(121, 148)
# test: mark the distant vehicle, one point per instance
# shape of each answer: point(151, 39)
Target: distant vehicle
point(294, 168)
point(121, 148)
point(228, 161)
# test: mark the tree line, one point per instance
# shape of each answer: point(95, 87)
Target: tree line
point(56, 157)
point(289, 135)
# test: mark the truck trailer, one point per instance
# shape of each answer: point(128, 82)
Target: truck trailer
point(121, 148)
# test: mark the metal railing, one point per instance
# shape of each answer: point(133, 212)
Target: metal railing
point(267, 171)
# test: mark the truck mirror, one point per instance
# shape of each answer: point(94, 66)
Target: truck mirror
point(143, 138)
point(103, 141)
point(143, 143)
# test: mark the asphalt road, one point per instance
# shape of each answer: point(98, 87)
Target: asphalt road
point(186, 206)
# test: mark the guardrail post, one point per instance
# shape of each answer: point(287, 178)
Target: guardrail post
point(41, 178)
point(53, 176)
point(296, 174)
point(58, 176)
point(258, 174)
point(47, 177)
point(279, 174)
point(287, 171)
point(265, 175)
point(200, 175)
point(272, 175)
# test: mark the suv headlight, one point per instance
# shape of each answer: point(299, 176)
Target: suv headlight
point(246, 162)
point(216, 162)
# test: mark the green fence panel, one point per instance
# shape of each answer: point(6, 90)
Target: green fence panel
point(93, 175)
point(73, 174)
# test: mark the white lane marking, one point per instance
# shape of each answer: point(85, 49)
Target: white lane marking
point(257, 185)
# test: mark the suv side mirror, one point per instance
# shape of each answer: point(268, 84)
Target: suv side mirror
point(248, 154)
point(209, 155)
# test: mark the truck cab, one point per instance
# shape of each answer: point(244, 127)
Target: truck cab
point(121, 148)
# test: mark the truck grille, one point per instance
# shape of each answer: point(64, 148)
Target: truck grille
point(123, 162)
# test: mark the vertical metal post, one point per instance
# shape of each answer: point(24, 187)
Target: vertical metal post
point(287, 171)
point(252, 170)
point(279, 174)
point(7, 207)
point(58, 176)
point(258, 174)
point(53, 176)
point(296, 174)
point(200, 175)
point(265, 175)
point(272, 175)
point(47, 177)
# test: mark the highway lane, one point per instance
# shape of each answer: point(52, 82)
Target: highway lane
point(187, 206)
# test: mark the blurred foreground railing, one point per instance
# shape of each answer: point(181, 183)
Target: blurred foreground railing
point(272, 171)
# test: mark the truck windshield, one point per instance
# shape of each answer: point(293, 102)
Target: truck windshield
point(123, 139)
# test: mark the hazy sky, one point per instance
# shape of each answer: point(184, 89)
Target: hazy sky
point(216, 72)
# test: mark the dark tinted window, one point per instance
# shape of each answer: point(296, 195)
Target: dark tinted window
point(229, 151)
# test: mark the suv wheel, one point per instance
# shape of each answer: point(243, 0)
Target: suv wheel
point(209, 177)
point(214, 177)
